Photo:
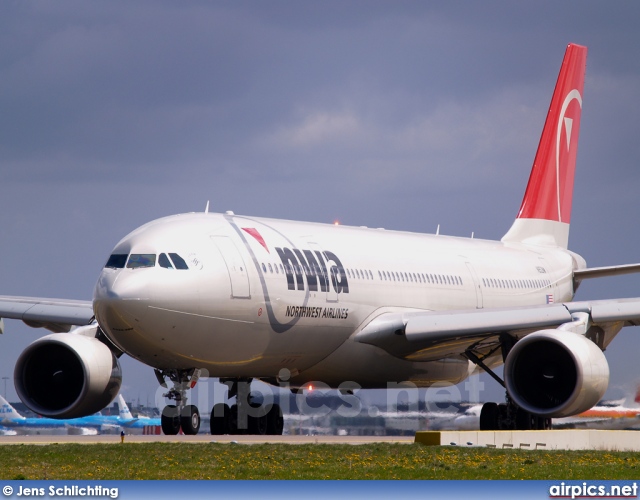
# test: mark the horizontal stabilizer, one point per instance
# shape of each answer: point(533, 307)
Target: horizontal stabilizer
point(601, 272)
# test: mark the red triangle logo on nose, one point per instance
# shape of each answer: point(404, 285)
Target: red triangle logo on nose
point(254, 232)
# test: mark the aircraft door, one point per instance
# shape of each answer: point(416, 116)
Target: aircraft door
point(476, 286)
point(240, 288)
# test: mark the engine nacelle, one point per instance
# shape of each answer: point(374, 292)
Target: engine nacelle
point(67, 375)
point(552, 373)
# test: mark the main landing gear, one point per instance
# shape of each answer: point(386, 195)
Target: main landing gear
point(508, 416)
point(246, 416)
point(505, 416)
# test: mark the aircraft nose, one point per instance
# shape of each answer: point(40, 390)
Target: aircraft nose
point(121, 299)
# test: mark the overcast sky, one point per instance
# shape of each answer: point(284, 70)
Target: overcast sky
point(395, 114)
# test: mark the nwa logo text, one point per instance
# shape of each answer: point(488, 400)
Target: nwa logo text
point(319, 268)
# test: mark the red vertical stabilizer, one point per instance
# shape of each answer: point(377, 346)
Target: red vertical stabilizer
point(550, 189)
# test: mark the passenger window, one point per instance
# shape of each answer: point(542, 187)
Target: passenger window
point(138, 260)
point(264, 268)
point(178, 261)
point(117, 261)
point(164, 261)
point(270, 269)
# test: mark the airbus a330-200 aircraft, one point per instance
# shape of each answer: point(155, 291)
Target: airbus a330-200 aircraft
point(250, 298)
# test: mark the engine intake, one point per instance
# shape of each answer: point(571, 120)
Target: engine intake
point(67, 375)
point(552, 373)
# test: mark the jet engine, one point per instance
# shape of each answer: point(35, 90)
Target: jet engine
point(554, 373)
point(67, 375)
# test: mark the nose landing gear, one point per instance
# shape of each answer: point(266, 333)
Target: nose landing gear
point(180, 416)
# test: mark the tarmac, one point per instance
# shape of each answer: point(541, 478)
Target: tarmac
point(565, 439)
point(203, 438)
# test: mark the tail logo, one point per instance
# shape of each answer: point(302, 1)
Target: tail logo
point(568, 126)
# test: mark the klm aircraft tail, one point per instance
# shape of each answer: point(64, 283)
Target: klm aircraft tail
point(8, 412)
point(123, 409)
point(546, 207)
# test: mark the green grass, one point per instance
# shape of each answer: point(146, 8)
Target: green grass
point(283, 461)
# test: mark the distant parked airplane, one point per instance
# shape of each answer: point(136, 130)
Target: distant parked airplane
point(14, 423)
point(11, 419)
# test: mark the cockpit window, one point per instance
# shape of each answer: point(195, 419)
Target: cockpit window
point(164, 261)
point(137, 260)
point(116, 261)
point(175, 262)
point(178, 261)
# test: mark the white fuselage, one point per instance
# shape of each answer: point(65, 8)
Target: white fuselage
point(262, 295)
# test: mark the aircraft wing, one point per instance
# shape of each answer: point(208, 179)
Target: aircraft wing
point(57, 315)
point(426, 335)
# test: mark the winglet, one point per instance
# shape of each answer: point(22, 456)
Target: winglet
point(545, 212)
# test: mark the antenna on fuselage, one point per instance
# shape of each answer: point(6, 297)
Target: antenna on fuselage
point(206, 209)
point(438, 230)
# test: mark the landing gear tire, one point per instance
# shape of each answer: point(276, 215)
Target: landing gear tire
point(503, 417)
point(170, 420)
point(275, 421)
point(233, 421)
point(190, 420)
point(543, 424)
point(489, 417)
point(219, 422)
point(258, 425)
point(525, 421)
